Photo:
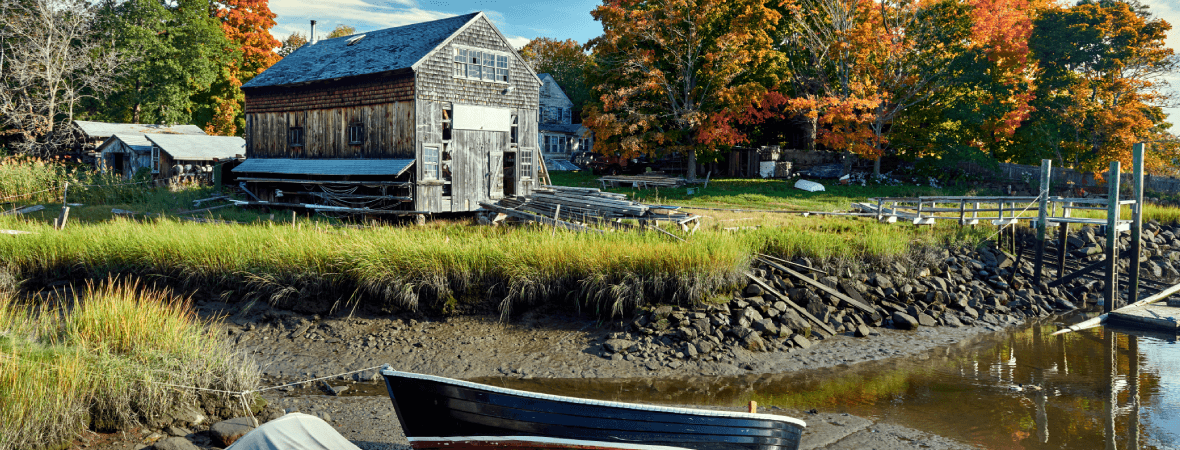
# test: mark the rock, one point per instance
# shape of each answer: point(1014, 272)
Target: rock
point(652, 365)
point(880, 280)
point(177, 431)
point(903, 321)
point(794, 321)
point(753, 290)
point(175, 443)
point(704, 347)
point(863, 331)
point(766, 327)
point(951, 321)
point(228, 431)
point(925, 320)
point(619, 345)
point(1004, 260)
point(801, 341)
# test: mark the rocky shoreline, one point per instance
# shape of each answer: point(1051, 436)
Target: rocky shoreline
point(791, 316)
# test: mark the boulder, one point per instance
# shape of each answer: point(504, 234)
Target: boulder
point(176, 443)
point(863, 331)
point(227, 432)
point(801, 341)
point(903, 321)
point(881, 280)
point(619, 345)
point(925, 320)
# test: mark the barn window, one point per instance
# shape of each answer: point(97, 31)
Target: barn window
point(295, 136)
point(430, 162)
point(446, 122)
point(356, 133)
point(526, 162)
point(481, 65)
point(514, 127)
point(155, 159)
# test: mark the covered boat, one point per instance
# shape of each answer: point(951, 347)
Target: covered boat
point(438, 413)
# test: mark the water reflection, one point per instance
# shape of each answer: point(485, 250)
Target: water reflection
point(1026, 389)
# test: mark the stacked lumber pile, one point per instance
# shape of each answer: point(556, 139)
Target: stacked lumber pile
point(641, 181)
point(585, 205)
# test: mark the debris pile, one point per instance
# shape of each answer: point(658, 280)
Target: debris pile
point(642, 181)
point(576, 208)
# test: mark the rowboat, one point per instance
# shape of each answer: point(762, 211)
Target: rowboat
point(444, 413)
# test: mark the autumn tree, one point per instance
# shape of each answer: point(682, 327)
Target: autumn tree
point(341, 30)
point(566, 62)
point(1103, 67)
point(291, 43)
point(664, 67)
point(50, 61)
point(247, 24)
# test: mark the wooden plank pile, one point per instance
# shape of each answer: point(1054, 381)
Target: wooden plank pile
point(641, 181)
point(587, 205)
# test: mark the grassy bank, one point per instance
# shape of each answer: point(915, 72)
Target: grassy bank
point(97, 361)
point(441, 267)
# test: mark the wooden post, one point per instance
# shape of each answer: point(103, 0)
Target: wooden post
point(1042, 218)
point(1112, 238)
point(60, 223)
point(1136, 223)
point(753, 407)
point(292, 218)
point(556, 213)
point(975, 215)
point(880, 210)
point(1000, 242)
point(1062, 236)
point(65, 190)
point(1133, 390)
point(962, 212)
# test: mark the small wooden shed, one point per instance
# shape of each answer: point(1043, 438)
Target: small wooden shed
point(431, 117)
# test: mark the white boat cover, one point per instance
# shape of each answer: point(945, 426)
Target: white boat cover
point(294, 431)
point(809, 186)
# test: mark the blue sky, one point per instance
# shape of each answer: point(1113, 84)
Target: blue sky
point(522, 20)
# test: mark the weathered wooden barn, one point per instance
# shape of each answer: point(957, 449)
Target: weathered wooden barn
point(425, 118)
point(92, 136)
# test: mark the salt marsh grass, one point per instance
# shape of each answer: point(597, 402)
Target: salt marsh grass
point(101, 360)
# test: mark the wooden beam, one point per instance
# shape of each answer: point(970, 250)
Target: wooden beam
point(1111, 293)
point(799, 309)
point(823, 287)
point(535, 218)
point(1136, 221)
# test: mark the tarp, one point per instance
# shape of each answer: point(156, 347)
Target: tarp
point(294, 431)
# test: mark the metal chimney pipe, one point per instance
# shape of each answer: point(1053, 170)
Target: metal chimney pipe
point(311, 38)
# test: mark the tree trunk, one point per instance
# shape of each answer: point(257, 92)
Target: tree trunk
point(691, 171)
point(877, 167)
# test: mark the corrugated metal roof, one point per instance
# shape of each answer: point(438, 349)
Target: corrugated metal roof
point(105, 130)
point(289, 166)
point(380, 51)
point(199, 148)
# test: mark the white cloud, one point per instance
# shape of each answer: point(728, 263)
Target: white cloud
point(517, 41)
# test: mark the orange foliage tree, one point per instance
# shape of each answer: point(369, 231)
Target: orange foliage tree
point(1100, 88)
point(665, 67)
point(247, 24)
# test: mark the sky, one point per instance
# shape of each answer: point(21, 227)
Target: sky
point(523, 20)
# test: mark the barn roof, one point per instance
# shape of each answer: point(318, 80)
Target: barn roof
point(290, 166)
point(136, 142)
point(199, 148)
point(103, 130)
point(376, 52)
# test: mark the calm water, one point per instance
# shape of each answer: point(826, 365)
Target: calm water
point(1024, 389)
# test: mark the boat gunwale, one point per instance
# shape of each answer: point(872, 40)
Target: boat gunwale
point(385, 371)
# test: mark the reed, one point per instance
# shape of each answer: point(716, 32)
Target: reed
point(104, 360)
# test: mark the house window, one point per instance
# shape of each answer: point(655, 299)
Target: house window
point(155, 159)
point(565, 115)
point(295, 136)
point(430, 162)
point(512, 137)
point(356, 133)
point(481, 65)
point(526, 162)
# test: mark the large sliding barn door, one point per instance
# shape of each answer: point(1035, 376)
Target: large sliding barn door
point(475, 154)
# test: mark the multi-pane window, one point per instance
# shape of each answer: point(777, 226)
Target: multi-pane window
point(565, 115)
point(430, 162)
point(295, 136)
point(356, 133)
point(481, 64)
point(526, 162)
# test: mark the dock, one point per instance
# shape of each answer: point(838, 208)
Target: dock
point(1158, 317)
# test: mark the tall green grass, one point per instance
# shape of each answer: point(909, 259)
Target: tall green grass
point(46, 180)
point(103, 360)
point(439, 268)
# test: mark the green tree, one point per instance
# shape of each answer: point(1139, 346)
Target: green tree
point(179, 52)
point(341, 30)
point(292, 43)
